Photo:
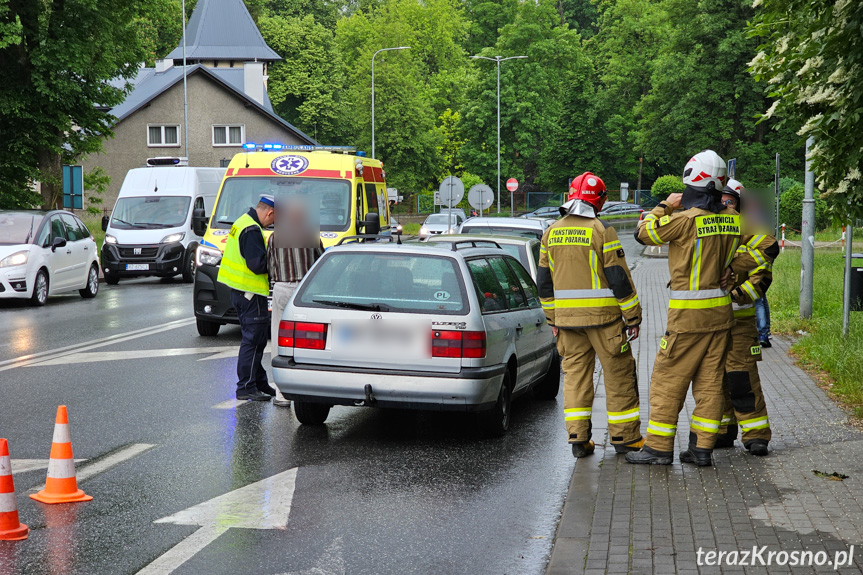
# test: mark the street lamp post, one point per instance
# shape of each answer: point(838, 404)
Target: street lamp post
point(498, 59)
point(373, 89)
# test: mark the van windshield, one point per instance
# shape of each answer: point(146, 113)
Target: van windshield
point(332, 196)
point(150, 213)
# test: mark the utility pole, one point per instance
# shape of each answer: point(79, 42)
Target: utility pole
point(499, 59)
point(638, 190)
point(373, 91)
point(776, 191)
point(846, 293)
point(807, 239)
point(185, 90)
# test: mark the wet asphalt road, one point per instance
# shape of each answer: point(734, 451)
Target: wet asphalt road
point(376, 491)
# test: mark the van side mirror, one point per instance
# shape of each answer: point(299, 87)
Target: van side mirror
point(105, 220)
point(372, 224)
point(58, 243)
point(199, 222)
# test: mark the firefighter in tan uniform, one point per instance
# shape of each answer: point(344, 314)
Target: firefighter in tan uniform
point(744, 400)
point(703, 239)
point(590, 302)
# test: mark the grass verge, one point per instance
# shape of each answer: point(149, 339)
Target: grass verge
point(411, 229)
point(94, 224)
point(822, 348)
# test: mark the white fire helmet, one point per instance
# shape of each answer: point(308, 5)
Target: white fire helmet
point(703, 168)
point(733, 187)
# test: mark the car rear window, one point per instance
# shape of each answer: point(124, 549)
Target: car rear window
point(374, 281)
point(505, 231)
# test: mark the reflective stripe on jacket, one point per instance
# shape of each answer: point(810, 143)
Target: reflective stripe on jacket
point(701, 245)
point(233, 270)
point(583, 278)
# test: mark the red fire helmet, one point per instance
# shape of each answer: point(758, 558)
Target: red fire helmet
point(589, 188)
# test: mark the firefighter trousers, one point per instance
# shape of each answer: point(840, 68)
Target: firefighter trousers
point(684, 358)
point(579, 349)
point(744, 401)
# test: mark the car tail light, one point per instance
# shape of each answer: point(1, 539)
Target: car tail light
point(302, 335)
point(461, 344)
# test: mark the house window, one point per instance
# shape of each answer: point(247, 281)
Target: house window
point(166, 135)
point(228, 135)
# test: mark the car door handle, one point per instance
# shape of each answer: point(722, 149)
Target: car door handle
point(539, 322)
point(86, 248)
point(519, 329)
point(68, 251)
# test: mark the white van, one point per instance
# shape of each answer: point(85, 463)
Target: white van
point(150, 230)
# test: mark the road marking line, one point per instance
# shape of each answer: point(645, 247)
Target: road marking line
point(93, 467)
point(184, 550)
point(25, 465)
point(96, 356)
point(265, 504)
point(231, 404)
point(26, 360)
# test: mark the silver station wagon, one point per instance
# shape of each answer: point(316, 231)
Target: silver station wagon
point(416, 326)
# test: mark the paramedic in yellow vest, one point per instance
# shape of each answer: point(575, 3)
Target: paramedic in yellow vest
point(590, 301)
point(702, 237)
point(244, 270)
point(744, 400)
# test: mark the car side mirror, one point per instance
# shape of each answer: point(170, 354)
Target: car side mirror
point(105, 220)
point(372, 224)
point(58, 243)
point(199, 222)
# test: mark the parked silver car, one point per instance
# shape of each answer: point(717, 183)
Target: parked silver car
point(525, 250)
point(415, 326)
point(442, 223)
point(524, 227)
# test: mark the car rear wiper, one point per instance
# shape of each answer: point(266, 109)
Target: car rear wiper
point(351, 305)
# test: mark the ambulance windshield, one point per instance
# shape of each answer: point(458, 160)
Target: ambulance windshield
point(332, 196)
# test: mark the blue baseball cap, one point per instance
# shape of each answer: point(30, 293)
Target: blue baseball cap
point(268, 199)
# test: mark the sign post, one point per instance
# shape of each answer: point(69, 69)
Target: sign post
point(451, 193)
point(624, 191)
point(480, 197)
point(512, 186)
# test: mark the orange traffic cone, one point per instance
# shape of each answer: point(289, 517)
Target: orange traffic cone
point(61, 485)
point(10, 528)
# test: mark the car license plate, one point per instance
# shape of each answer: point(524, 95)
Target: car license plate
point(396, 340)
point(137, 267)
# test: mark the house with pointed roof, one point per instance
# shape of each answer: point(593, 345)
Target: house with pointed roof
point(226, 78)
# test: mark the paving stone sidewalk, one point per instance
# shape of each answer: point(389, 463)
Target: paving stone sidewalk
point(622, 518)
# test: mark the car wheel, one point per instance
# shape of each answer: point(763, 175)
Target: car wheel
point(207, 328)
point(311, 413)
point(112, 279)
point(40, 289)
point(495, 421)
point(548, 387)
point(189, 267)
point(92, 283)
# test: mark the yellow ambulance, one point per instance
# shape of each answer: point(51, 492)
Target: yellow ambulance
point(347, 186)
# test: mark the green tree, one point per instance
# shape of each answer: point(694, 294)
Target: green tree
point(412, 87)
point(702, 96)
point(306, 87)
point(791, 209)
point(812, 63)
point(58, 66)
point(665, 186)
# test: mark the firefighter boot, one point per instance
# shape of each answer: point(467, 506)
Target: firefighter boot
point(583, 449)
point(629, 447)
point(757, 447)
point(650, 456)
point(699, 456)
point(726, 439)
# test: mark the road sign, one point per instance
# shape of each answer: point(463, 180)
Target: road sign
point(512, 184)
point(624, 191)
point(732, 168)
point(262, 505)
point(480, 197)
point(451, 191)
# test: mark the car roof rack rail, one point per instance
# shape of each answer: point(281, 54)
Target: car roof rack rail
point(473, 244)
point(361, 238)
